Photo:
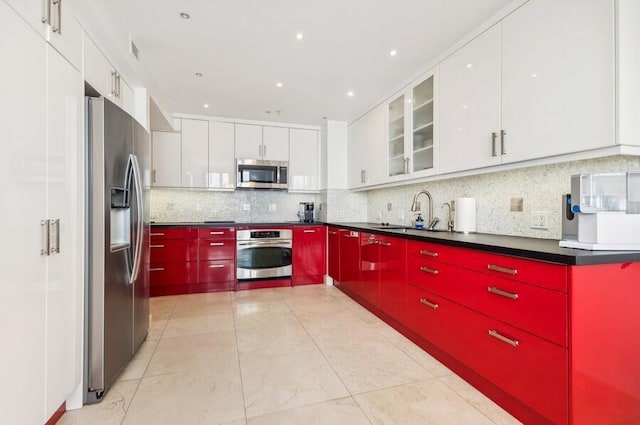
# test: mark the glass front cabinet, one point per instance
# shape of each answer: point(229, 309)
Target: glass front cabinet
point(411, 125)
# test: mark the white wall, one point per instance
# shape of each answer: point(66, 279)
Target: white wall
point(540, 187)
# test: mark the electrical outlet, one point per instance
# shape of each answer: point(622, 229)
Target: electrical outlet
point(272, 207)
point(389, 206)
point(539, 220)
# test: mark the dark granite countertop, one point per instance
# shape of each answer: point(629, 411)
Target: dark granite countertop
point(530, 248)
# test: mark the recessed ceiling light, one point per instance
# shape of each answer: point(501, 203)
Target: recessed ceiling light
point(185, 15)
point(206, 105)
point(534, 75)
point(198, 74)
point(278, 84)
point(393, 52)
point(299, 35)
point(350, 93)
point(469, 65)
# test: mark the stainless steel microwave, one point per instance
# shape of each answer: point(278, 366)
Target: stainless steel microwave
point(257, 174)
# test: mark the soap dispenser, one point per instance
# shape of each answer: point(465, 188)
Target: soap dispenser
point(419, 222)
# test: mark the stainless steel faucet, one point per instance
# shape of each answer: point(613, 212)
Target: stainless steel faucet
point(415, 206)
point(449, 216)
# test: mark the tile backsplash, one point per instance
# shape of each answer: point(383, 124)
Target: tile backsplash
point(540, 189)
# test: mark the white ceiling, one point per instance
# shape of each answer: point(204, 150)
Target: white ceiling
point(243, 47)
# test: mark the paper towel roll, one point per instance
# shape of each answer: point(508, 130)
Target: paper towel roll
point(465, 218)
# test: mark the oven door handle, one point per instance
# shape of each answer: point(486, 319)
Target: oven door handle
point(284, 244)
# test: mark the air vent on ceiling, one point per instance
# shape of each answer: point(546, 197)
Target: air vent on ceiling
point(133, 49)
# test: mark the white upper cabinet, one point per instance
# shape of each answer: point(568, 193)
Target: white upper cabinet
point(195, 153)
point(303, 163)
point(166, 153)
point(275, 143)
point(55, 22)
point(470, 104)
point(558, 78)
point(222, 165)
point(537, 84)
point(411, 131)
point(103, 77)
point(367, 149)
point(248, 141)
point(262, 142)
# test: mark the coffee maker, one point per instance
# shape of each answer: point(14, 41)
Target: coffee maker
point(305, 212)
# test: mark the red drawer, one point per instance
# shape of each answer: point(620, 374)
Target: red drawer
point(174, 250)
point(540, 311)
point(547, 275)
point(167, 274)
point(161, 233)
point(531, 369)
point(216, 271)
point(540, 273)
point(217, 233)
point(216, 249)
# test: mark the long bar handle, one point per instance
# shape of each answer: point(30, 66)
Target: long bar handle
point(156, 269)
point(137, 182)
point(216, 243)
point(309, 231)
point(156, 234)
point(500, 292)
point(503, 146)
point(429, 303)
point(494, 136)
point(156, 246)
point(428, 270)
point(216, 233)
point(54, 236)
point(46, 12)
point(495, 268)
point(332, 233)
point(350, 236)
point(154, 175)
point(216, 266)
point(428, 253)
point(496, 335)
point(58, 28)
point(384, 243)
point(44, 226)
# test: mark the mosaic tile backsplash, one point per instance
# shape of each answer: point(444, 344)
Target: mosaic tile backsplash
point(539, 187)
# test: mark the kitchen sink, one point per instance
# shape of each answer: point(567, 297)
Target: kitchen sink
point(391, 227)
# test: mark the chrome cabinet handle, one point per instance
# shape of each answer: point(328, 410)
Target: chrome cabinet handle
point(156, 234)
point(383, 243)
point(494, 136)
point(332, 233)
point(58, 28)
point(264, 151)
point(428, 270)
point(309, 231)
point(113, 83)
point(54, 236)
point(429, 303)
point(156, 269)
point(428, 253)
point(156, 246)
point(495, 268)
point(500, 292)
point(216, 243)
point(154, 175)
point(496, 335)
point(350, 236)
point(216, 233)
point(44, 226)
point(46, 12)
point(216, 266)
point(503, 146)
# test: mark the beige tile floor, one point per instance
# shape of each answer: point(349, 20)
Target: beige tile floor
point(305, 355)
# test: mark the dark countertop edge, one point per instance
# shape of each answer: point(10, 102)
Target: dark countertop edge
point(234, 224)
point(529, 248)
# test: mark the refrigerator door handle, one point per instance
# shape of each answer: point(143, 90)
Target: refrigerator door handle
point(137, 181)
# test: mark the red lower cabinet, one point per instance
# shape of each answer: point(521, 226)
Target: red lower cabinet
point(393, 282)
point(333, 253)
point(309, 261)
point(349, 260)
point(187, 260)
point(368, 286)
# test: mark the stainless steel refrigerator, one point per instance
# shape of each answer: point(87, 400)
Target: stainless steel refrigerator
point(117, 229)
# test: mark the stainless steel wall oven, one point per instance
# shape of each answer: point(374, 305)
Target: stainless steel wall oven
point(263, 254)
